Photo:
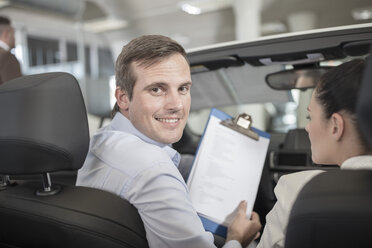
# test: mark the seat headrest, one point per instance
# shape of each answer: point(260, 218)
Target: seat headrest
point(297, 139)
point(44, 126)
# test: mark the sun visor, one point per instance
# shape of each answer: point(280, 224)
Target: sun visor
point(234, 85)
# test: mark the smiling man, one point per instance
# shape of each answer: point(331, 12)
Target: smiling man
point(133, 158)
point(160, 101)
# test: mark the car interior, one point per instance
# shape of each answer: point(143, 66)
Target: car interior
point(334, 209)
point(44, 138)
point(271, 66)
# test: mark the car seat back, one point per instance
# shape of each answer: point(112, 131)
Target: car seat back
point(44, 129)
point(334, 209)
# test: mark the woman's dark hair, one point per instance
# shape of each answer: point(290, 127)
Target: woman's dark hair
point(338, 90)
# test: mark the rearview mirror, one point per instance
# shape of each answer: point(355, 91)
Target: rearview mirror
point(296, 78)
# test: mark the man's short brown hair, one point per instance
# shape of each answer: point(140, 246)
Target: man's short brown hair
point(5, 24)
point(145, 50)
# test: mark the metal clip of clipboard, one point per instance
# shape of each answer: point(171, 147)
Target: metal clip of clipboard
point(242, 124)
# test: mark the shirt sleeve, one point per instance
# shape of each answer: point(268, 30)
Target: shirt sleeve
point(162, 200)
point(232, 244)
point(286, 192)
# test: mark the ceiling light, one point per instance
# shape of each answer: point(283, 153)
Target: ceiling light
point(362, 13)
point(4, 3)
point(192, 10)
point(104, 24)
point(196, 7)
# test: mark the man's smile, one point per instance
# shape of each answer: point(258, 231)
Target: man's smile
point(168, 120)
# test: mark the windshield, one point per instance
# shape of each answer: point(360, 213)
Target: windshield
point(243, 89)
point(270, 117)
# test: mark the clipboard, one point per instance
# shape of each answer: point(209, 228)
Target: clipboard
point(227, 169)
point(242, 123)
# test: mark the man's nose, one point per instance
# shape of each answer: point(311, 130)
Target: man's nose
point(174, 101)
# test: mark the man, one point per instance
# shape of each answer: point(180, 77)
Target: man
point(132, 156)
point(9, 65)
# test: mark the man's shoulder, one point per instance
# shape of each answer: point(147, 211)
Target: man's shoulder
point(118, 140)
point(7, 58)
point(117, 147)
point(4, 54)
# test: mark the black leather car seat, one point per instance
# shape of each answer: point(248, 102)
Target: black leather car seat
point(334, 209)
point(44, 129)
point(295, 150)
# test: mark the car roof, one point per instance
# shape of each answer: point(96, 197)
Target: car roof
point(317, 39)
point(234, 72)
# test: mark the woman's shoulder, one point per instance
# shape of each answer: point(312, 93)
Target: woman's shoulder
point(291, 184)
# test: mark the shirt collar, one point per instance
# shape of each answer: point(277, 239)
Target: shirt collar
point(358, 163)
point(121, 123)
point(4, 45)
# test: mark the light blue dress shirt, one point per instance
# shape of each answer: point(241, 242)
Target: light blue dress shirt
point(125, 162)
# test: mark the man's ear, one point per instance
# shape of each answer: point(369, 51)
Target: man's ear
point(338, 126)
point(122, 98)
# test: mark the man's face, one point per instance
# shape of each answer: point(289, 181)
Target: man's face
point(161, 99)
point(11, 38)
point(8, 37)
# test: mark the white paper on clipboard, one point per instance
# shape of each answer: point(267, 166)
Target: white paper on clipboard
point(227, 169)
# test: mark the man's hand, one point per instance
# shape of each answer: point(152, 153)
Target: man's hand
point(242, 228)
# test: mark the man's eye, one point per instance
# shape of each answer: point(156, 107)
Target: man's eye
point(156, 90)
point(184, 89)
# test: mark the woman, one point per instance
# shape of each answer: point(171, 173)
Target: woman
point(335, 139)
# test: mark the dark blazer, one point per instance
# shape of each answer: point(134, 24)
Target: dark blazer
point(9, 66)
